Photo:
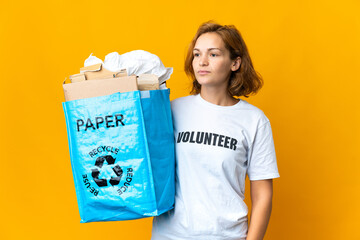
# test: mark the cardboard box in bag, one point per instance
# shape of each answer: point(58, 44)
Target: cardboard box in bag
point(97, 71)
point(95, 81)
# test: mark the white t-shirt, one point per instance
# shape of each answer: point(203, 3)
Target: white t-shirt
point(216, 146)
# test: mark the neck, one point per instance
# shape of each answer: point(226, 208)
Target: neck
point(217, 96)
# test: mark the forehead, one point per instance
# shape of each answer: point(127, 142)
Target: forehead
point(209, 40)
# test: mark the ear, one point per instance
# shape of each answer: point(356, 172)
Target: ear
point(236, 64)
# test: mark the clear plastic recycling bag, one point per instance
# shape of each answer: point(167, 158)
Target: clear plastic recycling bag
point(122, 155)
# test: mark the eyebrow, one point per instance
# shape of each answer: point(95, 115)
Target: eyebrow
point(208, 49)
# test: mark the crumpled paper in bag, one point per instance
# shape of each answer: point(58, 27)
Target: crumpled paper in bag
point(135, 62)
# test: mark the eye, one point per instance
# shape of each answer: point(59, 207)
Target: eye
point(213, 55)
point(196, 54)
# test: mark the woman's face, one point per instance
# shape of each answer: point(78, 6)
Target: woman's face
point(212, 64)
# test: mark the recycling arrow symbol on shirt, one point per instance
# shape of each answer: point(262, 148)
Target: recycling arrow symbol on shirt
point(103, 182)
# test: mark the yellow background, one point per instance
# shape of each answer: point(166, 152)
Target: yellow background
point(307, 52)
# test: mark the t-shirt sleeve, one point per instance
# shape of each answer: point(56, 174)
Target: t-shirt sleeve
point(262, 159)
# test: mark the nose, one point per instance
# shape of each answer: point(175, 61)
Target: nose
point(203, 60)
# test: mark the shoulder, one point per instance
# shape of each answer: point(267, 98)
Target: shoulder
point(182, 101)
point(254, 113)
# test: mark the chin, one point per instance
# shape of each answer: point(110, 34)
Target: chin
point(204, 83)
point(208, 82)
point(202, 80)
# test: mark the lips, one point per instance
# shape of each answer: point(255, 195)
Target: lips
point(203, 72)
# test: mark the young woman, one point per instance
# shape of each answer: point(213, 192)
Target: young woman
point(219, 140)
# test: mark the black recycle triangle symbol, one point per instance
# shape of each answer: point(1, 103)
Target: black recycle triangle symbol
point(95, 172)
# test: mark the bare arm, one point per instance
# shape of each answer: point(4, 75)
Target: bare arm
point(261, 198)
